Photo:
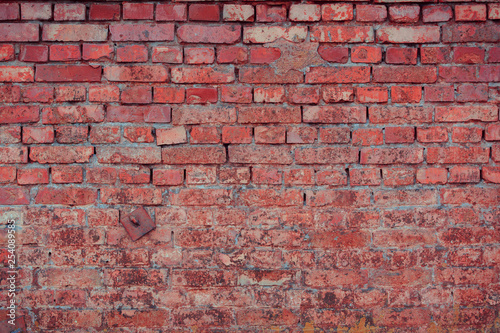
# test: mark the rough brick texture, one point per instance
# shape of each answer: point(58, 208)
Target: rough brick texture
point(314, 166)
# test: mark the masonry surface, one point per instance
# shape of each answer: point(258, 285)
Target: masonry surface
point(310, 167)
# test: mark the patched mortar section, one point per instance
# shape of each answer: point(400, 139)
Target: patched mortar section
point(297, 56)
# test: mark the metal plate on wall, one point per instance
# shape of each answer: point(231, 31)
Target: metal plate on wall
point(138, 223)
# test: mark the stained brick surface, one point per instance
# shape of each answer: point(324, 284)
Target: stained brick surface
point(311, 167)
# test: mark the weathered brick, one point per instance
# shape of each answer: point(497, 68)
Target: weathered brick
point(138, 73)
point(67, 73)
point(220, 34)
point(138, 32)
point(144, 155)
point(19, 32)
point(74, 33)
point(342, 34)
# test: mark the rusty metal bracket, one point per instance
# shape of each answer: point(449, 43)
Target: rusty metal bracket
point(138, 223)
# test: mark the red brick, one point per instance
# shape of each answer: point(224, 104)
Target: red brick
point(406, 94)
point(32, 176)
point(138, 32)
point(19, 32)
point(400, 115)
point(249, 154)
point(236, 134)
point(171, 12)
point(392, 155)
point(399, 55)
point(10, 134)
point(203, 115)
point(66, 196)
point(457, 155)
point(367, 137)
point(337, 12)
point(139, 134)
point(201, 175)
point(69, 12)
point(363, 177)
point(244, 13)
point(342, 34)
point(493, 11)
point(203, 197)
point(61, 154)
point(232, 55)
point(219, 34)
point(38, 134)
point(7, 174)
point(301, 135)
point(436, 13)
point(329, 155)
point(170, 177)
point(399, 135)
point(67, 174)
point(70, 94)
point(131, 196)
point(97, 51)
point(269, 114)
point(466, 113)
point(439, 93)
point(468, 55)
point(464, 174)
point(73, 114)
point(7, 52)
point(269, 95)
point(199, 55)
point(491, 174)
point(201, 95)
point(268, 75)
point(371, 13)
point(67, 73)
point(137, 95)
point(402, 34)
point(432, 176)
point(36, 11)
point(132, 53)
point(334, 54)
point(432, 134)
point(269, 13)
point(19, 114)
point(338, 75)
point(174, 95)
point(366, 54)
point(104, 175)
point(138, 11)
point(265, 134)
point(398, 176)
point(470, 12)
point(264, 55)
point(201, 12)
point(492, 132)
point(104, 12)
point(71, 134)
point(134, 175)
point(170, 136)
point(64, 52)
point(435, 55)
point(16, 74)
point(143, 155)
point(105, 93)
point(372, 94)
point(74, 33)
point(333, 94)
point(472, 93)
point(10, 94)
point(194, 155)
point(466, 134)
point(404, 13)
point(152, 73)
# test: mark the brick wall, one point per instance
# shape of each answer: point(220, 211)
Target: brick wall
point(328, 166)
